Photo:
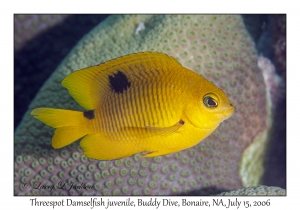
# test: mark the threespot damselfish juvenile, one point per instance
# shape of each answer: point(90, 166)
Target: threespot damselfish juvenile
point(144, 102)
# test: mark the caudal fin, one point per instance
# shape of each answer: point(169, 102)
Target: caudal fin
point(70, 125)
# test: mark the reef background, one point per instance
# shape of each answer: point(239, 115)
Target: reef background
point(43, 41)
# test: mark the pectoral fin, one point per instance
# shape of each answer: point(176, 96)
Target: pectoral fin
point(150, 131)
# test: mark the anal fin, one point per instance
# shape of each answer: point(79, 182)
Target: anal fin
point(160, 152)
point(101, 147)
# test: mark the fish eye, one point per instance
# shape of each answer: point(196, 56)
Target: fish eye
point(210, 102)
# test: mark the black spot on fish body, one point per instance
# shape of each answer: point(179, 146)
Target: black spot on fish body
point(119, 82)
point(89, 114)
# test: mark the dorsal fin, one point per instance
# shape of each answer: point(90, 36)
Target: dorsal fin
point(87, 85)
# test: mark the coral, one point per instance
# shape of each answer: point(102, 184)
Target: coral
point(260, 190)
point(216, 46)
point(272, 80)
point(272, 48)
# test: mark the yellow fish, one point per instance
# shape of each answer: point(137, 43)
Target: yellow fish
point(143, 102)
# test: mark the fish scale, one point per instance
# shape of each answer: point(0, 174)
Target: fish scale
point(142, 102)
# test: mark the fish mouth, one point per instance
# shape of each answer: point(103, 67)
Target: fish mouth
point(229, 112)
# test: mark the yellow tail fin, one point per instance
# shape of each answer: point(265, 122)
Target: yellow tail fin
point(70, 125)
